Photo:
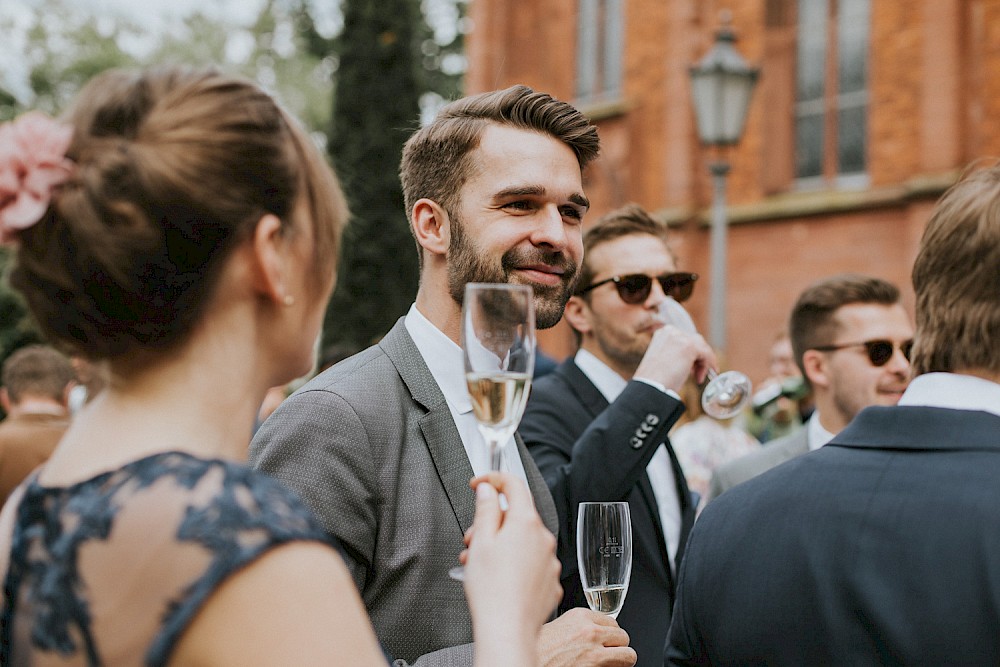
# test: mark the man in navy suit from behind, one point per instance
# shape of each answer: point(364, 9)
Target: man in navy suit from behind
point(883, 547)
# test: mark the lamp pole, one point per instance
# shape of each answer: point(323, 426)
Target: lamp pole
point(717, 295)
point(722, 84)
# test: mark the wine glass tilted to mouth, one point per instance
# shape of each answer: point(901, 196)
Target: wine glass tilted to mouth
point(726, 393)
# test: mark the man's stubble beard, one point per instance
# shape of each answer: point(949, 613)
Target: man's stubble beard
point(466, 265)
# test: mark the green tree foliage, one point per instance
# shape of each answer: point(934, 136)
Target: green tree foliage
point(16, 326)
point(60, 47)
point(375, 110)
point(389, 56)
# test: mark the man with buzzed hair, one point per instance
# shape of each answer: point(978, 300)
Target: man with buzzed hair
point(35, 390)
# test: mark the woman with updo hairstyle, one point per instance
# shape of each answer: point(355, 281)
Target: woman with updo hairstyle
point(182, 230)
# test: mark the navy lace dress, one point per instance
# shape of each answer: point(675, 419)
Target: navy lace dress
point(110, 571)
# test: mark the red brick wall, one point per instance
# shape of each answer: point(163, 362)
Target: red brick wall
point(934, 73)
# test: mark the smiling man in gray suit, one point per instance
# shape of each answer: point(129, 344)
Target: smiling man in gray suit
point(382, 446)
point(851, 338)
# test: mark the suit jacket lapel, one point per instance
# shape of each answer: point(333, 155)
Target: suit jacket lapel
point(440, 433)
point(443, 440)
point(588, 394)
point(539, 489)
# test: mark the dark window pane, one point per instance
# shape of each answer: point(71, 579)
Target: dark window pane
point(586, 48)
point(613, 47)
point(852, 44)
point(851, 133)
point(811, 49)
point(809, 146)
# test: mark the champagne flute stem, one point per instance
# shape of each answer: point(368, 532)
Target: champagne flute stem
point(496, 455)
point(711, 374)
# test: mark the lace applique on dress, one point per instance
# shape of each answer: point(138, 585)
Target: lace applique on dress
point(112, 570)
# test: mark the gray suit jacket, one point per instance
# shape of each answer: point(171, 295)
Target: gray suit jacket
point(371, 447)
point(770, 455)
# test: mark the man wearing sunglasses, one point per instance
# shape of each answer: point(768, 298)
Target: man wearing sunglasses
point(597, 425)
point(883, 547)
point(851, 338)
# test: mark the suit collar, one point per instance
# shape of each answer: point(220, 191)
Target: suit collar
point(921, 428)
point(442, 438)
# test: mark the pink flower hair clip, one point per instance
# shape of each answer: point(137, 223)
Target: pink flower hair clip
point(32, 162)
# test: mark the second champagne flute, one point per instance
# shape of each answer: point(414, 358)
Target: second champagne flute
point(604, 554)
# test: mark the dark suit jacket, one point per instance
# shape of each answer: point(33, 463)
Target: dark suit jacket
point(371, 447)
point(883, 547)
point(590, 451)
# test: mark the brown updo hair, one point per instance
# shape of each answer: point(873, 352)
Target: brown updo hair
point(173, 168)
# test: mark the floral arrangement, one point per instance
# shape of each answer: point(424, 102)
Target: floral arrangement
point(32, 163)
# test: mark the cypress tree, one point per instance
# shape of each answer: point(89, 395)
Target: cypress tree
point(376, 107)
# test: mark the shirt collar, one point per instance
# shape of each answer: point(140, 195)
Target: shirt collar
point(953, 391)
point(608, 382)
point(443, 358)
point(817, 436)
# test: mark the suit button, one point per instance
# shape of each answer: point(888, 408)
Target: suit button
point(652, 419)
point(636, 442)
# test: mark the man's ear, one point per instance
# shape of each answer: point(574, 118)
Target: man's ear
point(577, 314)
point(431, 226)
point(5, 400)
point(269, 259)
point(817, 368)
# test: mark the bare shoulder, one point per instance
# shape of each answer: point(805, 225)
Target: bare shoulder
point(296, 604)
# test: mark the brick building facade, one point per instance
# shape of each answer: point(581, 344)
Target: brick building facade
point(866, 110)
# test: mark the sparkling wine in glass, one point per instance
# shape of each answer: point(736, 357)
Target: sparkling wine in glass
point(727, 393)
point(498, 343)
point(604, 554)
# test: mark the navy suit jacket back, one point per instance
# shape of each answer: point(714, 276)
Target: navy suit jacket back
point(882, 547)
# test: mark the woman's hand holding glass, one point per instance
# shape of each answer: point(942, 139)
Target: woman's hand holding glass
point(511, 570)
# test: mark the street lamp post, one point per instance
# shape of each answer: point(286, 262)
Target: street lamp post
point(721, 86)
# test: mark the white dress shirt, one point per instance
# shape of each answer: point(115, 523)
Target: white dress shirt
point(446, 364)
point(953, 391)
point(659, 470)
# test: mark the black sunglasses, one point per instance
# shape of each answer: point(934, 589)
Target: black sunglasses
point(879, 351)
point(635, 287)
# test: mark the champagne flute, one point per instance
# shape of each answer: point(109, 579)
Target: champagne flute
point(727, 393)
point(498, 343)
point(604, 554)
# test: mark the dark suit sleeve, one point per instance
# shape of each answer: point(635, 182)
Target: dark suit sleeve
point(592, 460)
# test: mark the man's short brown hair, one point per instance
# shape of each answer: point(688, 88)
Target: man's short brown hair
point(39, 370)
point(437, 159)
point(956, 277)
point(813, 321)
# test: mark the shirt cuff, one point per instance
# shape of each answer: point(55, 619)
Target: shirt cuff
point(656, 385)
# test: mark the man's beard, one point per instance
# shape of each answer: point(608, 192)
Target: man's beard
point(466, 265)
